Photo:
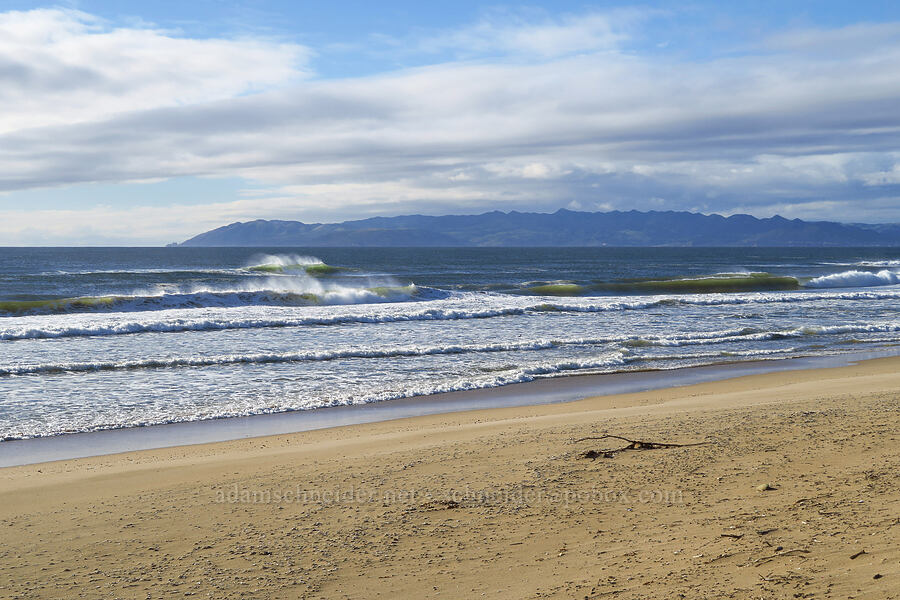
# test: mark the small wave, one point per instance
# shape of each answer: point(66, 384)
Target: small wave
point(184, 271)
point(714, 300)
point(855, 279)
point(718, 283)
point(605, 361)
point(751, 334)
point(878, 263)
point(686, 340)
point(748, 354)
point(558, 289)
point(45, 306)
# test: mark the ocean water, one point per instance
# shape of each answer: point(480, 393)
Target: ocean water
point(100, 338)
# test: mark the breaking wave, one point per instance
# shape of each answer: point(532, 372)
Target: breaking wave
point(855, 279)
point(292, 264)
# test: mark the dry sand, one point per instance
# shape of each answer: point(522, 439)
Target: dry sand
point(494, 504)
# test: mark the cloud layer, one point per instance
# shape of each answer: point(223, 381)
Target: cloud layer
point(804, 124)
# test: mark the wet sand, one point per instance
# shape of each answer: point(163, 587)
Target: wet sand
point(798, 478)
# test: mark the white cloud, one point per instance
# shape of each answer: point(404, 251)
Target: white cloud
point(852, 38)
point(521, 34)
point(510, 33)
point(64, 66)
point(885, 176)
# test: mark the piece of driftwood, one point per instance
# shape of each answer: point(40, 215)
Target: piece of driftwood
point(721, 556)
point(794, 552)
point(632, 445)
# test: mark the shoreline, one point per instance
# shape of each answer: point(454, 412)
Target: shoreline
point(552, 390)
point(792, 492)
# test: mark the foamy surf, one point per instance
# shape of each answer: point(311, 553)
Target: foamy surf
point(624, 345)
point(604, 362)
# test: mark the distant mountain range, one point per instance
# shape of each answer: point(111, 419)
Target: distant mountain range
point(562, 228)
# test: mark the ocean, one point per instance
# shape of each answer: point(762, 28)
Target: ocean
point(107, 338)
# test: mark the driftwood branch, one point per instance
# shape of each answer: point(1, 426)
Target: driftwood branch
point(632, 445)
point(795, 552)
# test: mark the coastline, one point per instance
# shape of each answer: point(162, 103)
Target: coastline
point(495, 502)
point(566, 388)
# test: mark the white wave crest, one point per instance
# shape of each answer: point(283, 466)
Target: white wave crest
point(855, 279)
point(283, 260)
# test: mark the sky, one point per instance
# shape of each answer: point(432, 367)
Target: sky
point(126, 123)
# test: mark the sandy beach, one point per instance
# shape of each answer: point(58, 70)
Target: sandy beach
point(791, 492)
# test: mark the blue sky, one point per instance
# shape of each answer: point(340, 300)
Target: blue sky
point(142, 123)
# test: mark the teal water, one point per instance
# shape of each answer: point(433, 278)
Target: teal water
point(99, 338)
